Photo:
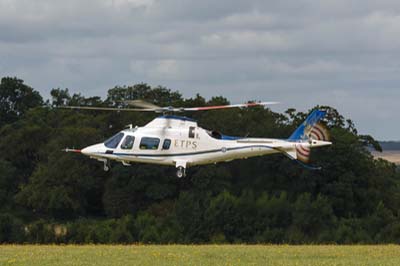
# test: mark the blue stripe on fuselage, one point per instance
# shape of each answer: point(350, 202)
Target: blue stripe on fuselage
point(191, 153)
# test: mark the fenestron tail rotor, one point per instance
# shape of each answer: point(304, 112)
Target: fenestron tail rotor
point(310, 134)
point(303, 153)
point(318, 132)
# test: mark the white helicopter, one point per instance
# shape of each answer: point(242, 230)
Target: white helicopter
point(180, 142)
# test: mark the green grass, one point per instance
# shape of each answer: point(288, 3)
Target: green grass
point(198, 255)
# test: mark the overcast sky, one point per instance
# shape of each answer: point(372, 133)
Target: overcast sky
point(341, 53)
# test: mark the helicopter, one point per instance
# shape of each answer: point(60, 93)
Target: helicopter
point(178, 141)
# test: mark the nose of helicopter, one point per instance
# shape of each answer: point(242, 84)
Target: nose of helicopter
point(91, 150)
point(86, 151)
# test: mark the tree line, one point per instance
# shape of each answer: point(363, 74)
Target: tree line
point(48, 196)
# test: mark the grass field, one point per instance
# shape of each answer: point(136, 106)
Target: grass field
point(199, 255)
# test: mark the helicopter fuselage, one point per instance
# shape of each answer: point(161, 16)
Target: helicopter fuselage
point(179, 141)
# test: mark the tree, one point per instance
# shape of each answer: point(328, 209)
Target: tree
point(222, 216)
point(61, 185)
point(312, 217)
point(8, 184)
point(15, 99)
point(353, 199)
point(272, 218)
point(189, 212)
point(60, 97)
point(11, 229)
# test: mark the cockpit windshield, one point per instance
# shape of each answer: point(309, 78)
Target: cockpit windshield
point(113, 142)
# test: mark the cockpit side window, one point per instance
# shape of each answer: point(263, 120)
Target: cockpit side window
point(214, 134)
point(113, 142)
point(127, 144)
point(166, 144)
point(147, 143)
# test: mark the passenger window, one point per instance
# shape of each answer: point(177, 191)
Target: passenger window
point(166, 144)
point(149, 143)
point(113, 142)
point(128, 143)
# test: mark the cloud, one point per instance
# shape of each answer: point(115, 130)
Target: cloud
point(134, 3)
point(302, 53)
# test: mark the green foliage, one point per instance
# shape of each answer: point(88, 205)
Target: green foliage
point(146, 228)
point(11, 229)
point(130, 189)
point(48, 196)
point(123, 232)
point(40, 232)
point(272, 216)
point(311, 217)
point(8, 184)
point(59, 188)
point(222, 215)
point(189, 210)
point(15, 99)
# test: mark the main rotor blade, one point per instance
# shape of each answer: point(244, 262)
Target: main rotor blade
point(170, 108)
point(244, 105)
point(142, 104)
point(109, 109)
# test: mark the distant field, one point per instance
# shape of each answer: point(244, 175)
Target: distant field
point(391, 156)
point(199, 255)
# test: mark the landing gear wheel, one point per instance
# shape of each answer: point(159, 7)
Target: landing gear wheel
point(106, 166)
point(181, 172)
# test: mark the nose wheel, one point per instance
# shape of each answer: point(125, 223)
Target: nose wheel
point(181, 172)
point(106, 164)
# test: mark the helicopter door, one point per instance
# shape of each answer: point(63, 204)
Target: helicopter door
point(147, 143)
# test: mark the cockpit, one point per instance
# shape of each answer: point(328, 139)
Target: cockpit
point(113, 142)
point(126, 142)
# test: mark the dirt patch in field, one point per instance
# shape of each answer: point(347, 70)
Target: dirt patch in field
point(391, 156)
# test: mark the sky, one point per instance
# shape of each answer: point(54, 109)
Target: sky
point(341, 53)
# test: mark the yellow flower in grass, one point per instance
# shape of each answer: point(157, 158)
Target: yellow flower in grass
point(11, 261)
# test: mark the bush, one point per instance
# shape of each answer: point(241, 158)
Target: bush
point(271, 235)
point(124, 230)
point(146, 228)
point(90, 231)
point(40, 232)
point(222, 215)
point(11, 229)
point(351, 231)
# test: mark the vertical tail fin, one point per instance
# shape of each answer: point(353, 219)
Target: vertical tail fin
point(310, 128)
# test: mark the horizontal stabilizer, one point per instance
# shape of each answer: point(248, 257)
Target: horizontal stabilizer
point(292, 154)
